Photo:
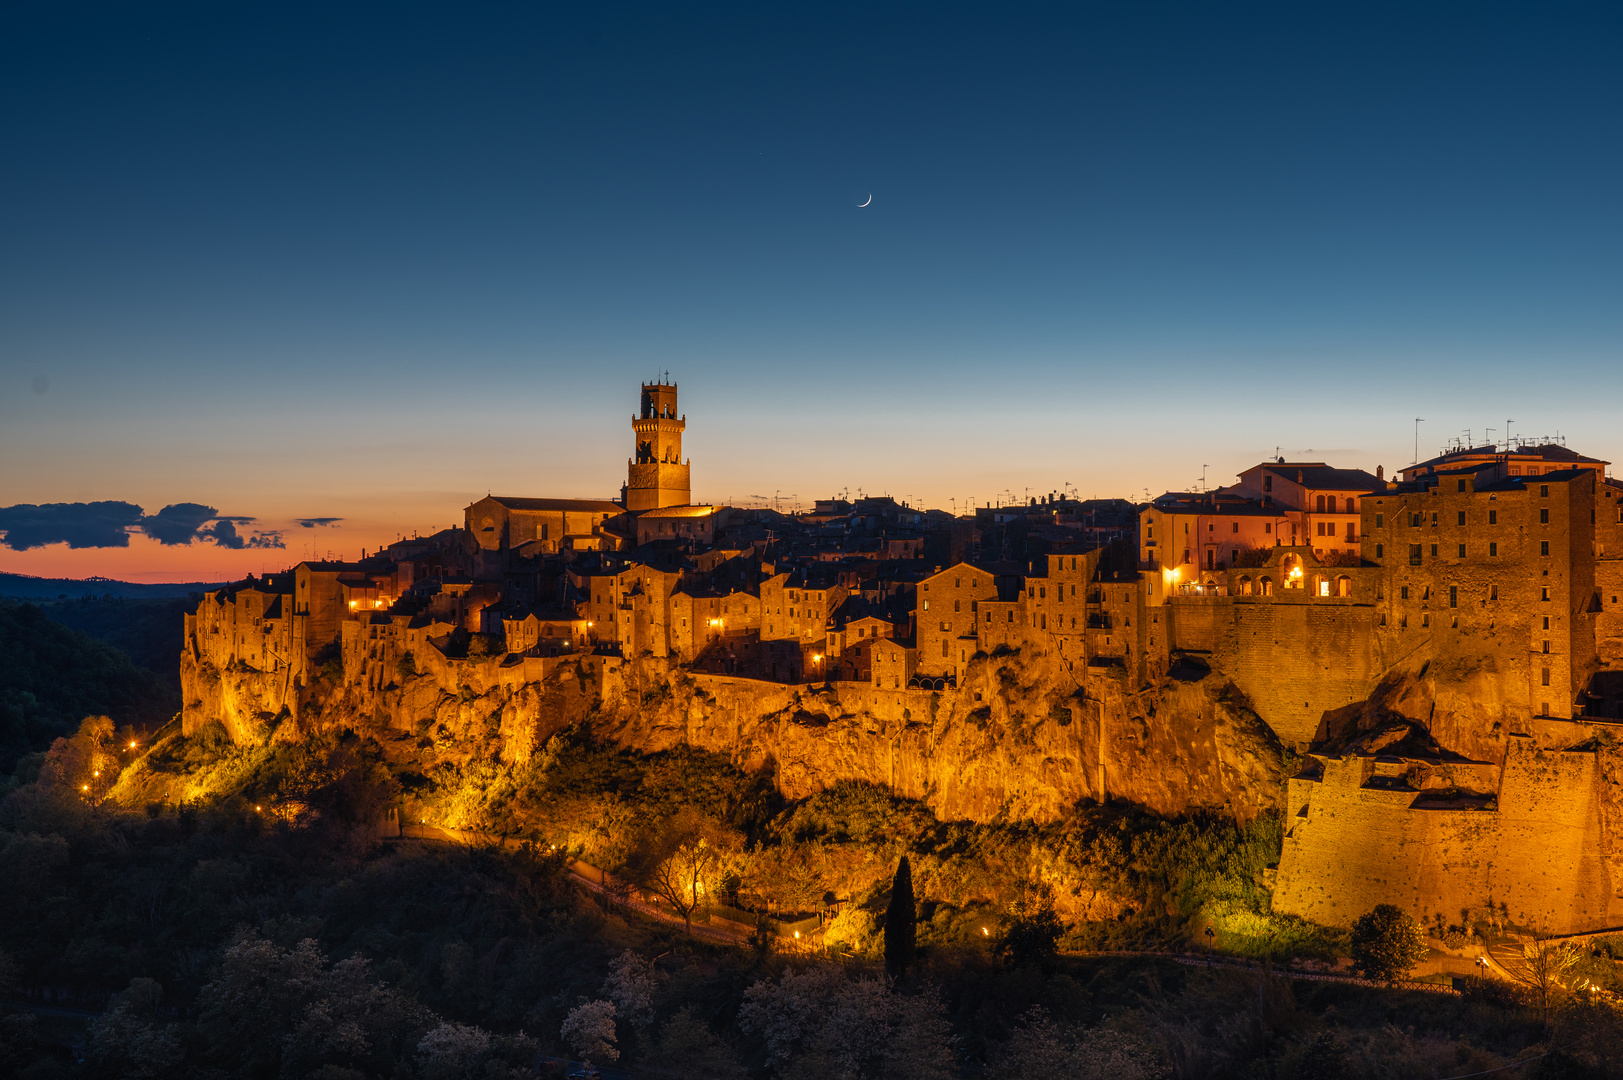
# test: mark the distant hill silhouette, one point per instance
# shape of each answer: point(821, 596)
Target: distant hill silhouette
point(25, 587)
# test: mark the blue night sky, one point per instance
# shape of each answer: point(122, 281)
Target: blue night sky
point(369, 261)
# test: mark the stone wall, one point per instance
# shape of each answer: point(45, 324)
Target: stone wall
point(1355, 839)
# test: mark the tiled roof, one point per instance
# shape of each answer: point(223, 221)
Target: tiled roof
point(1320, 476)
point(596, 505)
point(679, 512)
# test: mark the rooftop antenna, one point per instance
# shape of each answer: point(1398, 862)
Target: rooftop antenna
point(1203, 469)
point(1417, 422)
point(1507, 435)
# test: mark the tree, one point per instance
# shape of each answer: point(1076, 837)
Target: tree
point(589, 1029)
point(901, 930)
point(453, 1051)
point(1386, 943)
point(818, 1023)
point(631, 986)
point(1548, 964)
point(683, 862)
point(1032, 930)
point(271, 1011)
point(1040, 1049)
point(127, 1040)
point(689, 1050)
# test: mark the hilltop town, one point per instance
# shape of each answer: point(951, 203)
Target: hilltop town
point(1420, 672)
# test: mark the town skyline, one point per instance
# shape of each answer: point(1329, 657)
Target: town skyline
point(266, 543)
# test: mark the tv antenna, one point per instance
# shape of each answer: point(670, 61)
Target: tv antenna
point(1417, 422)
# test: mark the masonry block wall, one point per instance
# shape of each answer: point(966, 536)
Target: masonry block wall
point(1351, 844)
point(1297, 661)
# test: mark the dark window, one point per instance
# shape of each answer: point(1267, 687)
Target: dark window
point(1461, 520)
point(1380, 521)
point(1543, 547)
point(1462, 551)
point(1320, 504)
point(1414, 521)
point(1493, 591)
point(1414, 554)
point(1434, 519)
point(1493, 517)
point(1544, 491)
point(1461, 488)
point(1453, 596)
point(1380, 551)
point(1493, 548)
point(1544, 674)
point(1434, 551)
point(1403, 593)
point(1267, 482)
point(1544, 516)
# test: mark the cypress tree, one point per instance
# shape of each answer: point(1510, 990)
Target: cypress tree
point(900, 932)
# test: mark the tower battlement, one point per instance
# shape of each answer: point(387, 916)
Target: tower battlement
point(657, 475)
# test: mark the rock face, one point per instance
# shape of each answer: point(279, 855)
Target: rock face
point(1015, 740)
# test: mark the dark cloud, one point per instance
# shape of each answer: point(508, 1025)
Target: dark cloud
point(179, 523)
point(108, 524)
point(78, 525)
point(312, 523)
point(224, 533)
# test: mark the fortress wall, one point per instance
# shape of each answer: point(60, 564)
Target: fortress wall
point(1539, 853)
point(1195, 623)
point(1297, 661)
point(1548, 866)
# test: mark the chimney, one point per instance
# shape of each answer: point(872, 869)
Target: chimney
point(1380, 472)
point(1298, 476)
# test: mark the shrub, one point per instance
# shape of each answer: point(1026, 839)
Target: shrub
point(1386, 943)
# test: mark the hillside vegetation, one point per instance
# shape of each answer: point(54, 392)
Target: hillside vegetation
point(52, 677)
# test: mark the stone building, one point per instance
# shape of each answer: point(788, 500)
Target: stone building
point(502, 523)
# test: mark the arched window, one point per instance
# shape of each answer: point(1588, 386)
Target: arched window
point(1291, 567)
point(1320, 504)
point(1245, 586)
point(1343, 585)
point(1267, 586)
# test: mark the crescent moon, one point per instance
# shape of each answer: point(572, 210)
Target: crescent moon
point(862, 204)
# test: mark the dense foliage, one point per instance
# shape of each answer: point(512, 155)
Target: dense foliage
point(51, 677)
point(150, 632)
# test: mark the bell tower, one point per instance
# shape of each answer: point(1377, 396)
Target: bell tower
point(656, 474)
